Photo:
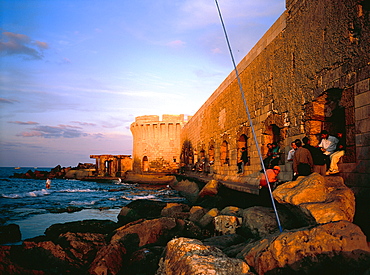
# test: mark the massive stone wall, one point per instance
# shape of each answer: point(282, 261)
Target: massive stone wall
point(156, 143)
point(309, 72)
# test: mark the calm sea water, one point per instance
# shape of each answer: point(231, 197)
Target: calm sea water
point(34, 208)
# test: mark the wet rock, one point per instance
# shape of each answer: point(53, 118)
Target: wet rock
point(332, 248)
point(324, 199)
point(187, 189)
point(155, 232)
point(189, 256)
point(176, 210)
point(10, 233)
point(140, 209)
point(82, 247)
point(85, 226)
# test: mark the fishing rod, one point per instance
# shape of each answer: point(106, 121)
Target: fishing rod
point(249, 117)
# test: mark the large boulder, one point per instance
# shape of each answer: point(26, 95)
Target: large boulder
point(154, 232)
point(325, 199)
point(85, 226)
point(10, 233)
point(187, 189)
point(176, 210)
point(189, 256)
point(331, 248)
point(139, 209)
point(210, 189)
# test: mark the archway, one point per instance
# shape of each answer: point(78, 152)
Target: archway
point(145, 164)
point(224, 153)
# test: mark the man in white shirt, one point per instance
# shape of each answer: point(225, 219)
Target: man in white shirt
point(328, 145)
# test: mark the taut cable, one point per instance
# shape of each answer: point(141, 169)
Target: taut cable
point(249, 117)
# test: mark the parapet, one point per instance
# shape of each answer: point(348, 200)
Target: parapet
point(165, 118)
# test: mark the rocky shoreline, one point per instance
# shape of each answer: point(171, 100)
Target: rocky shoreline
point(211, 235)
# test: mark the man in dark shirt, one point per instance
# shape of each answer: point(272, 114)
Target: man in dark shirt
point(318, 157)
point(302, 160)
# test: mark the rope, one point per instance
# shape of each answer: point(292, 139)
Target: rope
point(249, 117)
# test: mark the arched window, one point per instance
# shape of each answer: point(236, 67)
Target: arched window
point(224, 156)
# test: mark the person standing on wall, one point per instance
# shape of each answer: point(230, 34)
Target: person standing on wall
point(242, 160)
point(339, 152)
point(302, 160)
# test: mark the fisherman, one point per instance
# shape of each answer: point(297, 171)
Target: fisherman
point(48, 183)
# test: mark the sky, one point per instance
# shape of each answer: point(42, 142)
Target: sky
point(75, 74)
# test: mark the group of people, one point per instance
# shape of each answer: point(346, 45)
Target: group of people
point(322, 159)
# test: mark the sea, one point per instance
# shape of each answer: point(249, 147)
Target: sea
point(28, 203)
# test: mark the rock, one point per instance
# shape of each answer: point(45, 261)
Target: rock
point(196, 213)
point(85, 226)
point(325, 199)
point(189, 256)
point(261, 221)
point(210, 189)
point(155, 232)
point(338, 245)
point(232, 211)
point(187, 189)
point(109, 260)
point(10, 233)
point(82, 246)
point(208, 217)
point(176, 210)
point(225, 225)
point(144, 261)
point(139, 209)
point(224, 241)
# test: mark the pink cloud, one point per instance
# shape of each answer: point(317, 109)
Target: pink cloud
point(176, 43)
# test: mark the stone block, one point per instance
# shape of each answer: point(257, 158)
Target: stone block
point(363, 139)
point(362, 86)
point(362, 99)
point(363, 126)
point(362, 112)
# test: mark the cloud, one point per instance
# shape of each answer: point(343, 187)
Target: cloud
point(84, 123)
point(24, 122)
point(20, 44)
point(176, 43)
point(60, 131)
point(8, 101)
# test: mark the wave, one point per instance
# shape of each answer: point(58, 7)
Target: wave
point(148, 197)
point(36, 193)
point(76, 190)
point(82, 202)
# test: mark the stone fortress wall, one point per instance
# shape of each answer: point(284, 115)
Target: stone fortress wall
point(309, 72)
point(156, 143)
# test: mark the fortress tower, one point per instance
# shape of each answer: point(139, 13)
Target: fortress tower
point(156, 143)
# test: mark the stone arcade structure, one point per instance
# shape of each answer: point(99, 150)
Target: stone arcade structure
point(112, 165)
point(156, 145)
point(309, 72)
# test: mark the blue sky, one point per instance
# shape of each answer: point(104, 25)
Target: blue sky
point(75, 74)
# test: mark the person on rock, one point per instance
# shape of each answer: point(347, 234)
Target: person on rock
point(272, 176)
point(328, 145)
point(335, 157)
